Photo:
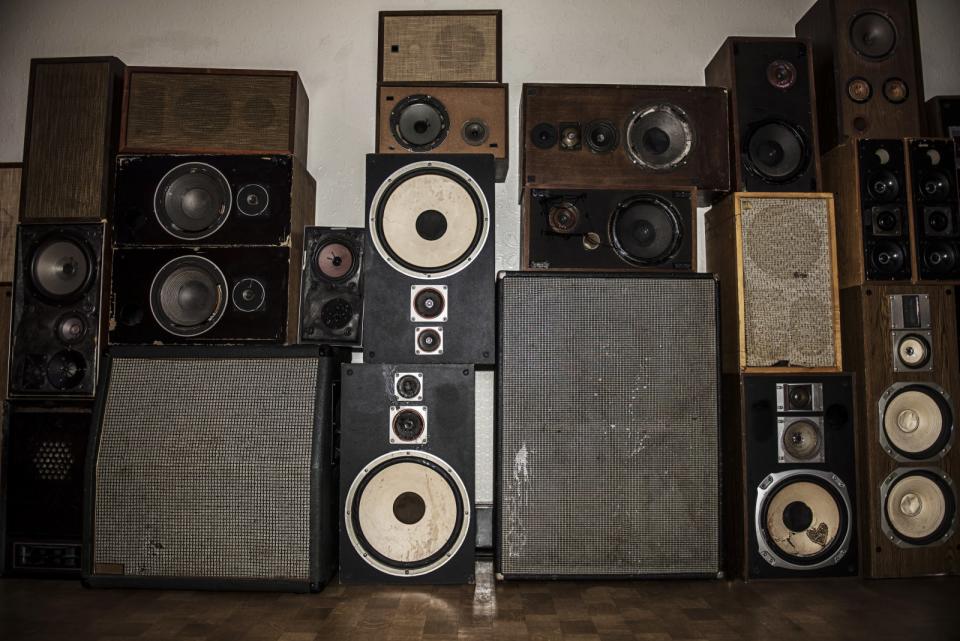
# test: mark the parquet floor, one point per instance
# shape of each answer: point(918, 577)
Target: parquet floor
point(902, 610)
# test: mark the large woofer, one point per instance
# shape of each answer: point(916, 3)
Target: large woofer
point(916, 420)
point(659, 137)
point(883, 185)
point(188, 296)
point(429, 219)
point(803, 519)
point(919, 506)
point(419, 122)
point(776, 151)
point(873, 34)
point(61, 268)
point(192, 200)
point(645, 230)
point(407, 513)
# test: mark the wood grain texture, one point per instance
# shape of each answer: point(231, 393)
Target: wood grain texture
point(9, 213)
point(302, 213)
point(841, 176)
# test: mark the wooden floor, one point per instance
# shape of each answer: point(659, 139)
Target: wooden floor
point(901, 610)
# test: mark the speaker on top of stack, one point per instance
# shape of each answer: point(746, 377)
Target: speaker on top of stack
point(331, 305)
point(869, 81)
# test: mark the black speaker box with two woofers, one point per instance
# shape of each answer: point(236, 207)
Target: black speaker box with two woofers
point(331, 305)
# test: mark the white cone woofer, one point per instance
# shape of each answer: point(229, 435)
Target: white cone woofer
point(803, 519)
point(407, 513)
point(916, 421)
point(919, 506)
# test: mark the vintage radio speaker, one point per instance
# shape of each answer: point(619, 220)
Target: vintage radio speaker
point(608, 229)
point(331, 290)
point(774, 123)
point(233, 111)
point(932, 176)
point(943, 117)
point(614, 135)
point(440, 46)
point(44, 453)
point(407, 474)
point(73, 119)
point(790, 480)
point(608, 442)
point(444, 118)
point(776, 257)
point(903, 341)
point(9, 214)
point(867, 68)
point(204, 295)
point(868, 178)
point(428, 272)
point(56, 331)
point(213, 200)
point(213, 468)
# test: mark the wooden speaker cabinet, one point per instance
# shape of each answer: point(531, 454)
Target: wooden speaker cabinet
point(9, 212)
point(444, 118)
point(867, 68)
point(902, 339)
point(776, 257)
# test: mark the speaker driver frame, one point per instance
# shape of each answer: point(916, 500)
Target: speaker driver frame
point(396, 122)
point(169, 179)
point(943, 482)
point(156, 306)
point(942, 445)
point(804, 145)
point(681, 117)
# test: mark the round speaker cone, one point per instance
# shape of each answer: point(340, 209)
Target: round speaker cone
point(800, 397)
point(188, 296)
point(563, 217)
point(883, 185)
point(249, 295)
point(776, 152)
point(859, 90)
point(475, 132)
point(934, 186)
point(428, 341)
point(419, 122)
point(429, 303)
point(887, 257)
point(913, 351)
point(939, 258)
point(71, 328)
point(781, 74)
point(873, 35)
point(334, 260)
point(917, 421)
point(938, 218)
point(801, 440)
point(659, 137)
point(544, 135)
point(645, 230)
point(408, 425)
point(601, 136)
point(920, 507)
point(895, 90)
point(252, 200)
point(336, 313)
point(408, 386)
point(66, 369)
point(804, 520)
point(192, 200)
point(60, 268)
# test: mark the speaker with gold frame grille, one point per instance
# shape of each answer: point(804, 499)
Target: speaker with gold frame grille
point(776, 258)
point(902, 339)
point(331, 288)
point(407, 473)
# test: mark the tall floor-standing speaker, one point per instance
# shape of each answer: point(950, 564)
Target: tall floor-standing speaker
point(608, 425)
point(213, 468)
point(407, 474)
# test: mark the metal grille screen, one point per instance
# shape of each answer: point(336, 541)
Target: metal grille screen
point(788, 282)
point(203, 468)
point(609, 426)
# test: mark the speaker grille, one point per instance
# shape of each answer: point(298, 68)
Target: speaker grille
point(204, 468)
point(608, 443)
point(788, 279)
point(440, 47)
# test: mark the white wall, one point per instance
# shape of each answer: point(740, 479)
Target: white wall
point(333, 44)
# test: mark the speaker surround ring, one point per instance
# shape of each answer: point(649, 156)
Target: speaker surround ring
point(628, 248)
point(200, 177)
point(936, 397)
point(160, 296)
point(645, 140)
point(786, 145)
point(419, 122)
point(50, 277)
point(929, 477)
point(873, 44)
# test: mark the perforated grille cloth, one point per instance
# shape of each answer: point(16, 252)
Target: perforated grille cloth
point(609, 429)
point(433, 48)
point(788, 282)
point(203, 468)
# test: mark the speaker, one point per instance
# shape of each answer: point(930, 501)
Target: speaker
point(902, 338)
point(57, 330)
point(6, 304)
point(231, 111)
point(440, 46)
point(776, 257)
point(774, 123)
point(868, 178)
point(607, 451)
point(213, 200)
point(331, 307)
point(790, 480)
point(213, 468)
point(204, 295)
point(608, 229)
point(407, 474)
point(609, 136)
point(867, 69)
point(428, 274)
point(943, 117)
point(444, 118)
point(73, 118)
point(9, 213)
point(932, 169)
point(45, 450)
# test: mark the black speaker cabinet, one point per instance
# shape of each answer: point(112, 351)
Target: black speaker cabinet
point(56, 330)
point(932, 175)
point(204, 295)
point(407, 474)
point(609, 229)
point(773, 112)
point(789, 476)
point(44, 453)
point(331, 305)
point(429, 270)
point(943, 117)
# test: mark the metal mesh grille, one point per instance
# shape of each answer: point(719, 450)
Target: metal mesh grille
point(434, 48)
point(203, 468)
point(609, 430)
point(788, 282)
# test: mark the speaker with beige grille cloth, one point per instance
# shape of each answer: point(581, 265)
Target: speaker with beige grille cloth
point(9, 214)
point(776, 258)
